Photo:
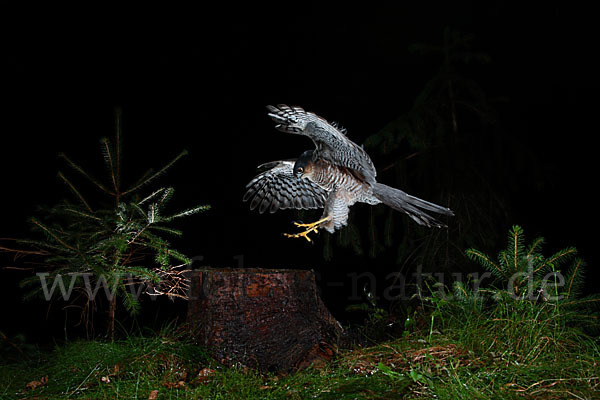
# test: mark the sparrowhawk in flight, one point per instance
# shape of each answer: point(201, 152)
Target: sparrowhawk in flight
point(333, 176)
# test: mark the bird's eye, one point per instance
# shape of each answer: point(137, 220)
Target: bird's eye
point(299, 170)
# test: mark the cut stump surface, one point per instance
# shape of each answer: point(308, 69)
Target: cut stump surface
point(269, 319)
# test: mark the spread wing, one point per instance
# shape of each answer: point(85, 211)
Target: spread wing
point(278, 189)
point(332, 144)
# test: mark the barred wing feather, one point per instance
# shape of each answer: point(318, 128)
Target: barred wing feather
point(331, 143)
point(278, 189)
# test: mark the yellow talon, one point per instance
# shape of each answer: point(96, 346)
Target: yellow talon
point(313, 224)
point(312, 227)
point(301, 234)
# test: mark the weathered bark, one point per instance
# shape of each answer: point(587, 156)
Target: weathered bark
point(271, 320)
point(112, 309)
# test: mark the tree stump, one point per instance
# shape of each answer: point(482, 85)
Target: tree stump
point(268, 319)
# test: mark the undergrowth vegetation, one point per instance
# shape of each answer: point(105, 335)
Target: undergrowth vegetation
point(465, 342)
point(114, 238)
point(478, 358)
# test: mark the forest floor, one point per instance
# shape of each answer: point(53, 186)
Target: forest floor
point(478, 357)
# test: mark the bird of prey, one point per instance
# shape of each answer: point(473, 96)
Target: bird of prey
point(333, 176)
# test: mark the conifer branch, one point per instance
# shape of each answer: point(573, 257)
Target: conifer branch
point(118, 147)
point(75, 191)
point(110, 164)
point(171, 231)
point(156, 174)
point(52, 234)
point(504, 263)
point(85, 174)
point(86, 215)
point(516, 232)
point(562, 255)
point(166, 196)
point(151, 196)
point(485, 261)
point(21, 252)
point(534, 246)
point(187, 213)
point(573, 275)
point(141, 180)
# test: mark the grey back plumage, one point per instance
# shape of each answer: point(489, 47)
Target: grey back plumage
point(331, 143)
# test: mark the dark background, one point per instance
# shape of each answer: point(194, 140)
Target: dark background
point(199, 79)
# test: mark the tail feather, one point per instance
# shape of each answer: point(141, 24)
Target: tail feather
point(413, 206)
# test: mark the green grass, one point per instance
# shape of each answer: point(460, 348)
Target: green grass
point(462, 350)
point(134, 368)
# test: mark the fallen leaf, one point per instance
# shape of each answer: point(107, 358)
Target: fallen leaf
point(183, 375)
point(36, 384)
point(116, 369)
point(204, 376)
point(206, 372)
point(153, 395)
point(174, 385)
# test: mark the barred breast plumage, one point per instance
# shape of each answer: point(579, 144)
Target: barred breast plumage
point(331, 177)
